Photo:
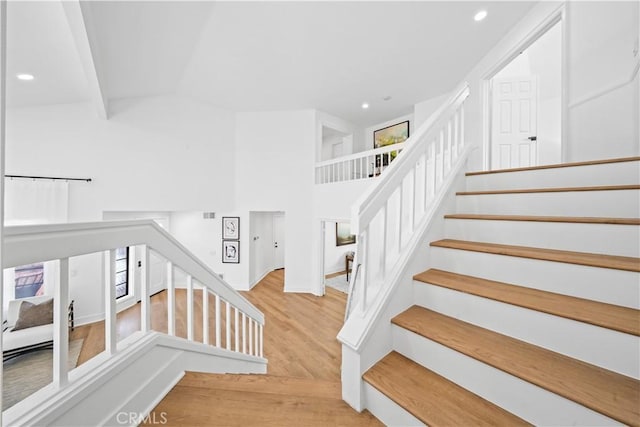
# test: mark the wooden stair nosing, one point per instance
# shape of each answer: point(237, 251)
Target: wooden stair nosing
point(431, 398)
point(617, 318)
point(557, 165)
point(538, 218)
point(609, 393)
point(550, 190)
point(614, 262)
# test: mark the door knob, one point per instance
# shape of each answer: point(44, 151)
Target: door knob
point(532, 138)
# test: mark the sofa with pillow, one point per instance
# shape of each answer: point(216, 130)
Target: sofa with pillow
point(28, 326)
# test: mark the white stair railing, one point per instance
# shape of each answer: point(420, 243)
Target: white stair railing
point(31, 244)
point(362, 165)
point(387, 217)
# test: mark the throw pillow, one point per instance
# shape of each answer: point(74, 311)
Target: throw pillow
point(31, 315)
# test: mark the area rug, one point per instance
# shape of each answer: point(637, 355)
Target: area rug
point(28, 373)
point(339, 282)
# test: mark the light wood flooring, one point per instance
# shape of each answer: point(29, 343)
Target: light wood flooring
point(302, 385)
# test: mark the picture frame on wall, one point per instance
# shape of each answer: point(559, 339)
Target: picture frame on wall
point(343, 234)
point(231, 251)
point(390, 135)
point(231, 228)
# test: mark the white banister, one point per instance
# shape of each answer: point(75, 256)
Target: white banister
point(61, 326)
point(145, 297)
point(261, 341)
point(171, 300)
point(403, 202)
point(344, 168)
point(110, 338)
point(189, 307)
point(250, 336)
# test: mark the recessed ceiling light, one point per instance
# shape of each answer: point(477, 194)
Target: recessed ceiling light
point(25, 77)
point(480, 15)
point(365, 105)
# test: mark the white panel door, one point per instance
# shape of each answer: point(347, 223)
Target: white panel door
point(278, 241)
point(514, 123)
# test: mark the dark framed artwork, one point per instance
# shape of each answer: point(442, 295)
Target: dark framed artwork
point(231, 251)
point(230, 228)
point(390, 135)
point(343, 234)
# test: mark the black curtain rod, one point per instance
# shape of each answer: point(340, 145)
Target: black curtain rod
point(48, 177)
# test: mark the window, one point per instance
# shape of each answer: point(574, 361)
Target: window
point(29, 280)
point(122, 272)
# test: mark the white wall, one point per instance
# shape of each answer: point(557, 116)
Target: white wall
point(154, 154)
point(600, 52)
point(423, 110)
point(336, 123)
point(334, 255)
point(602, 37)
point(276, 154)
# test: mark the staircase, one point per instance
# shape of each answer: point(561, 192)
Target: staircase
point(528, 313)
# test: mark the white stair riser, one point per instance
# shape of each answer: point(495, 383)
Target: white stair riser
point(599, 284)
point(544, 330)
point(577, 176)
point(386, 410)
point(613, 203)
point(532, 403)
point(609, 239)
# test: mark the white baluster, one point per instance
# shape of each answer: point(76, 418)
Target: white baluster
point(400, 215)
point(189, 307)
point(145, 297)
point(110, 339)
point(441, 162)
point(227, 325)
point(461, 127)
point(434, 169)
point(236, 325)
point(250, 336)
point(456, 134)
point(261, 341)
point(449, 136)
point(364, 270)
point(171, 300)
point(384, 240)
point(257, 338)
point(414, 189)
point(244, 333)
point(218, 337)
point(205, 315)
point(61, 326)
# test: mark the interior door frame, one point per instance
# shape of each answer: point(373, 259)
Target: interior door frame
point(559, 15)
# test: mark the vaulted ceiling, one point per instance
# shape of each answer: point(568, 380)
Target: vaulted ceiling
point(249, 56)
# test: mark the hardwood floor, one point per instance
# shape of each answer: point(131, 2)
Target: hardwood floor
point(302, 386)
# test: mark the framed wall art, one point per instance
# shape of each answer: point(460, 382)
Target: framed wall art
point(343, 234)
point(231, 252)
point(230, 228)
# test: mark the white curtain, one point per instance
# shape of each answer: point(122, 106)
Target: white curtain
point(28, 201)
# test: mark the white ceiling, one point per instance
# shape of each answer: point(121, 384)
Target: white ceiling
point(331, 56)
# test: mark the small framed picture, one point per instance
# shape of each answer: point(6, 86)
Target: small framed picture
point(230, 228)
point(231, 251)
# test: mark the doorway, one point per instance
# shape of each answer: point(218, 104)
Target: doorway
point(525, 105)
point(267, 244)
point(338, 247)
point(278, 241)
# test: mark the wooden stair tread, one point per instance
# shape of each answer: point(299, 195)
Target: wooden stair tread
point(612, 394)
point(264, 383)
point(431, 398)
point(550, 190)
point(582, 258)
point(557, 165)
point(622, 319)
point(534, 218)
